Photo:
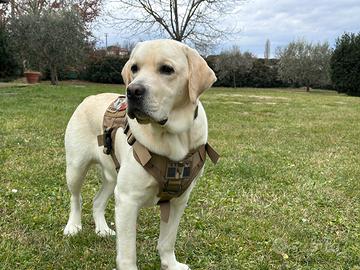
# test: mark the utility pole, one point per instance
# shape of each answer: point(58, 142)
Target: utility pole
point(106, 36)
point(267, 51)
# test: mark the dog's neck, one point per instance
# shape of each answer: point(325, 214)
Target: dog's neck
point(178, 137)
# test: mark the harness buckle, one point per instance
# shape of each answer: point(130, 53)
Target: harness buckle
point(176, 174)
point(178, 170)
point(107, 141)
point(126, 128)
point(173, 187)
point(131, 139)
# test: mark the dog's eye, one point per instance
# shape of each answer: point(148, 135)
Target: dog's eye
point(167, 70)
point(134, 68)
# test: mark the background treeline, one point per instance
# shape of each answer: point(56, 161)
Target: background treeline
point(299, 64)
point(260, 73)
point(106, 69)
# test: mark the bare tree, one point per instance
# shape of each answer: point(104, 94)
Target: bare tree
point(87, 9)
point(193, 21)
point(6, 10)
point(233, 63)
point(303, 63)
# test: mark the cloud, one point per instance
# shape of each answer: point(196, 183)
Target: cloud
point(281, 21)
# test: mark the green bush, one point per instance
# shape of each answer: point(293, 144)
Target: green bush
point(262, 74)
point(105, 69)
point(8, 66)
point(345, 64)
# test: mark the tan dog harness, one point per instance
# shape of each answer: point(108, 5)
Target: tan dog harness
point(173, 177)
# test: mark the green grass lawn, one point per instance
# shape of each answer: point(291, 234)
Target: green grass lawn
point(285, 195)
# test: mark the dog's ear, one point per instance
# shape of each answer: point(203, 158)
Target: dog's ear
point(201, 76)
point(126, 73)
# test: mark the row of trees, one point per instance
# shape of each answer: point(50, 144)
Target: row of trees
point(52, 35)
point(236, 69)
point(298, 64)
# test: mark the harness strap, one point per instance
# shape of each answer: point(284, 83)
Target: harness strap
point(114, 118)
point(173, 177)
point(164, 210)
point(158, 167)
point(112, 153)
point(101, 142)
point(213, 155)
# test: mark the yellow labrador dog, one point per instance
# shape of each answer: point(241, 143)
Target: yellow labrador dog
point(164, 80)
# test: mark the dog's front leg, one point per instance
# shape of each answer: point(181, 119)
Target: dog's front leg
point(126, 212)
point(168, 232)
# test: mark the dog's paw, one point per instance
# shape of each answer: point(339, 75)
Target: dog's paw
point(178, 266)
point(182, 266)
point(103, 232)
point(72, 229)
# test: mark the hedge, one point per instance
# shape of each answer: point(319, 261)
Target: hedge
point(105, 69)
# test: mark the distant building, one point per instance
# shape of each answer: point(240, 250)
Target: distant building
point(115, 50)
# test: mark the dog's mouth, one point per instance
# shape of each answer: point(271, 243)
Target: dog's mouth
point(143, 118)
point(139, 115)
point(162, 122)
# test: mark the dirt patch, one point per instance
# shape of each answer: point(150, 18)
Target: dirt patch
point(9, 85)
point(252, 96)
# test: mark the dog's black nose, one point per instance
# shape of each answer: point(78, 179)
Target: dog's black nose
point(135, 91)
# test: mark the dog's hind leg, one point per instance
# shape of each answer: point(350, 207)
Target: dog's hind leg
point(75, 177)
point(100, 202)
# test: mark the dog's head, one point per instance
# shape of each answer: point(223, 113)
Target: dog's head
point(163, 78)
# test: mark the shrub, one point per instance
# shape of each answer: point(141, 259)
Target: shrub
point(345, 64)
point(264, 73)
point(8, 66)
point(105, 69)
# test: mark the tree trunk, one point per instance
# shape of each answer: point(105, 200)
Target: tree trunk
point(307, 88)
point(53, 74)
point(234, 80)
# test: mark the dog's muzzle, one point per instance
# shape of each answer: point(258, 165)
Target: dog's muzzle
point(135, 94)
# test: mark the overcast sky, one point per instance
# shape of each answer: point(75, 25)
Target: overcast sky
point(280, 21)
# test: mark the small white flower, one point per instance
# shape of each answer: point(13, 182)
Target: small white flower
point(112, 223)
point(14, 190)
